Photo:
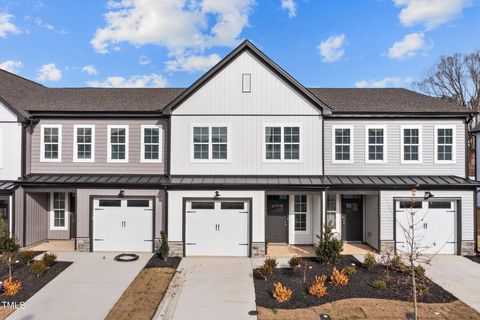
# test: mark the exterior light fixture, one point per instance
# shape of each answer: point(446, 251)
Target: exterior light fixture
point(427, 195)
point(121, 194)
point(217, 194)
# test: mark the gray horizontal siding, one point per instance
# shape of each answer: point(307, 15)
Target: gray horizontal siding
point(134, 166)
point(394, 165)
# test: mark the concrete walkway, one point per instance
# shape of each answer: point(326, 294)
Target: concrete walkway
point(87, 289)
point(459, 276)
point(210, 288)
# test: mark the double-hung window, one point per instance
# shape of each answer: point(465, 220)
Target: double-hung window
point(282, 143)
point(300, 210)
point(342, 151)
point(51, 143)
point(58, 211)
point(117, 143)
point(210, 142)
point(411, 138)
point(375, 146)
point(331, 210)
point(84, 143)
point(151, 143)
point(444, 144)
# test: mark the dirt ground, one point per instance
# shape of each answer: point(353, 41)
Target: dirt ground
point(5, 312)
point(142, 297)
point(372, 309)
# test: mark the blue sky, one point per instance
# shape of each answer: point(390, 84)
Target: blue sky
point(322, 43)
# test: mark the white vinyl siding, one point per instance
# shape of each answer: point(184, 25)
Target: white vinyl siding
point(118, 143)
point(376, 146)
point(151, 150)
point(282, 142)
point(59, 211)
point(411, 142)
point(342, 144)
point(51, 143)
point(210, 143)
point(84, 143)
point(444, 144)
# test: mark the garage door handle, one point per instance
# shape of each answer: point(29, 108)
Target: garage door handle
point(98, 239)
point(98, 209)
point(191, 244)
point(243, 244)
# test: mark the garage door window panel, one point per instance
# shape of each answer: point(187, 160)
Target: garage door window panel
point(232, 205)
point(203, 205)
point(110, 203)
point(138, 203)
point(440, 205)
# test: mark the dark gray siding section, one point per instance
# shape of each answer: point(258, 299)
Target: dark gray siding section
point(36, 206)
point(18, 228)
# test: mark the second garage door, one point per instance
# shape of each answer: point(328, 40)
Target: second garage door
point(217, 228)
point(122, 224)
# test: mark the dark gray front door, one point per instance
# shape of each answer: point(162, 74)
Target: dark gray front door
point(352, 218)
point(277, 219)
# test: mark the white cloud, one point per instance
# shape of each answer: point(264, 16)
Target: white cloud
point(430, 13)
point(48, 26)
point(12, 66)
point(136, 81)
point(6, 25)
point(388, 82)
point(143, 60)
point(90, 70)
point(49, 72)
point(409, 46)
point(331, 49)
point(193, 63)
point(290, 6)
point(184, 27)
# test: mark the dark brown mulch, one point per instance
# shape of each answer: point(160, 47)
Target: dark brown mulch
point(157, 262)
point(474, 258)
point(398, 287)
point(30, 283)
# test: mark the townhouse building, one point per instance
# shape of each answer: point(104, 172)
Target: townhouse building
point(244, 158)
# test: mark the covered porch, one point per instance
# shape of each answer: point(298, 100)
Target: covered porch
point(287, 250)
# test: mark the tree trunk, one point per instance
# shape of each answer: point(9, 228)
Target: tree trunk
point(414, 290)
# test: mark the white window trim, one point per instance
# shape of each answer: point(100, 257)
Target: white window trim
point(334, 127)
point(454, 149)
point(52, 215)
point(210, 149)
point(2, 153)
point(367, 144)
point(109, 145)
point(308, 214)
point(338, 226)
point(420, 143)
point(42, 142)
point(75, 143)
point(160, 141)
point(282, 143)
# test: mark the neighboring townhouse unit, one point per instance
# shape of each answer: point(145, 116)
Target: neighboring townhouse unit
point(243, 159)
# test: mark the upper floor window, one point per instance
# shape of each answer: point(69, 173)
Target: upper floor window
point(300, 209)
point(444, 146)
point(282, 143)
point(59, 211)
point(375, 144)
point(411, 137)
point(246, 83)
point(342, 144)
point(210, 142)
point(117, 143)
point(151, 144)
point(51, 143)
point(84, 143)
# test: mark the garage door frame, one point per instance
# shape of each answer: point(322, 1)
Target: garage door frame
point(458, 217)
point(106, 196)
point(250, 217)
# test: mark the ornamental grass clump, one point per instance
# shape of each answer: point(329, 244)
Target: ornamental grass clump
point(11, 287)
point(318, 288)
point(26, 256)
point(272, 262)
point(281, 293)
point(379, 284)
point(339, 277)
point(265, 271)
point(49, 259)
point(38, 268)
point(294, 262)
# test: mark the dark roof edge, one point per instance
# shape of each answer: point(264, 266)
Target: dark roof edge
point(97, 114)
point(245, 45)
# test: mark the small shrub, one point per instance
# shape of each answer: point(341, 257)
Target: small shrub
point(379, 284)
point(272, 262)
point(369, 261)
point(38, 268)
point(49, 259)
point(11, 287)
point(294, 262)
point(397, 263)
point(329, 247)
point(419, 271)
point(350, 271)
point(318, 288)
point(339, 277)
point(422, 288)
point(281, 293)
point(265, 271)
point(26, 256)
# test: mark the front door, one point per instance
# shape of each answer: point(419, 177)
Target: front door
point(352, 218)
point(277, 219)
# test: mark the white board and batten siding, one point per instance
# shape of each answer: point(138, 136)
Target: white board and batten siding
point(10, 145)
point(387, 208)
point(393, 165)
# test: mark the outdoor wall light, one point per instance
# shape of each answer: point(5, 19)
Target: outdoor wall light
point(217, 194)
point(121, 194)
point(427, 195)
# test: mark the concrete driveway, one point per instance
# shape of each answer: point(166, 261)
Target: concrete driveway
point(87, 289)
point(459, 276)
point(210, 288)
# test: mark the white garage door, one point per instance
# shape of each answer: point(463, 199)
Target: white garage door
point(216, 228)
point(434, 225)
point(122, 224)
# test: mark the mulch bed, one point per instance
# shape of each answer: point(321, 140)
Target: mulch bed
point(398, 287)
point(157, 262)
point(474, 258)
point(30, 283)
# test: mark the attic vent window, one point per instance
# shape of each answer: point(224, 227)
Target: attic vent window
point(246, 82)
